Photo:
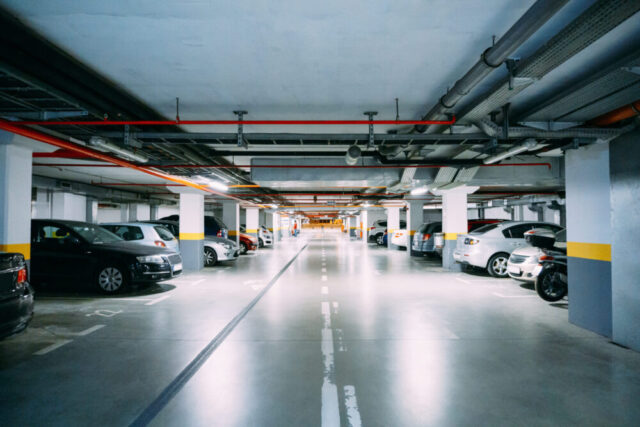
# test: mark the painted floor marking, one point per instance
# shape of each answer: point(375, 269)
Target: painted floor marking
point(87, 331)
point(324, 269)
point(351, 403)
point(52, 347)
point(157, 300)
point(463, 281)
point(324, 277)
point(330, 413)
point(324, 290)
point(514, 296)
point(104, 313)
point(197, 282)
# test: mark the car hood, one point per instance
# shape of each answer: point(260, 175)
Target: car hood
point(526, 251)
point(247, 236)
point(219, 240)
point(131, 248)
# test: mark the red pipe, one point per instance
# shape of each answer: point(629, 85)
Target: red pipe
point(62, 154)
point(48, 139)
point(93, 165)
point(617, 115)
point(234, 122)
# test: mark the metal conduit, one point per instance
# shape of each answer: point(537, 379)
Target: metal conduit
point(234, 122)
point(397, 166)
point(529, 23)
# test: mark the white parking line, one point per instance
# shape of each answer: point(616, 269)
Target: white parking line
point(330, 414)
point(52, 347)
point(514, 296)
point(463, 281)
point(324, 277)
point(197, 282)
point(351, 403)
point(157, 300)
point(324, 269)
point(324, 290)
point(87, 331)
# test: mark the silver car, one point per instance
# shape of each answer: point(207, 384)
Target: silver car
point(489, 247)
point(144, 234)
point(219, 249)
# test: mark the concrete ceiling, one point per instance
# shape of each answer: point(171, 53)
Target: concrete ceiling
point(285, 59)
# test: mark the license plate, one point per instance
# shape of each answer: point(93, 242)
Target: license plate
point(513, 269)
point(177, 267)
point(536, 270)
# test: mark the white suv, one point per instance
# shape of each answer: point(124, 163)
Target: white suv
point(376, 232)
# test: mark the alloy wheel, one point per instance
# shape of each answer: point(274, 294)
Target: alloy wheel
point(110, 279)
point(500, 266)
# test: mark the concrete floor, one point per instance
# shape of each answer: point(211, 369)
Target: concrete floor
point(348, 334)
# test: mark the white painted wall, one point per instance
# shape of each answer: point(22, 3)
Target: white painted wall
point(108, 215)
point(68, 206)
point(167, 211)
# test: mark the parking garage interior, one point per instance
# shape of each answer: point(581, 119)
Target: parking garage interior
point(337, 214)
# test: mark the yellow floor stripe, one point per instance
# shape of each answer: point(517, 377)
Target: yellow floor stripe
point(595, 251)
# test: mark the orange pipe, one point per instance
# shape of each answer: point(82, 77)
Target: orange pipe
point(48, 139)
point(617, 115)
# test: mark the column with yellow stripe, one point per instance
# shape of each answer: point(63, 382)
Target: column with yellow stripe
point(231, 218)
point(15, 196)
point(192, 231)
point(393, 222)
point(252, 218)
point(588, 206)
point(454, 223)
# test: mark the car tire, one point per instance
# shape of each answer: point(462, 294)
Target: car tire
point(260, 243)
point(497, 265)
point(111, 279)
point(243, 248)
point(210, 257)
point(380, 239)
point(546, 286)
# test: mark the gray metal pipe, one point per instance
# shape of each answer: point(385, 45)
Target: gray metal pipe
point(529, 23)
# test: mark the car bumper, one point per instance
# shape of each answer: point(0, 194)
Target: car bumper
point(231, 255)
point(16, 312)
point(523, 271)
point(155, 272)
point(469, 258)
point(423, 246)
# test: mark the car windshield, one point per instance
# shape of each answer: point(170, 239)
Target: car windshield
point(485, 228)
point(95, 234)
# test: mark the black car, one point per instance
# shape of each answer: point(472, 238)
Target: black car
point(213, 226)
point(16, 295)
point(69, 252)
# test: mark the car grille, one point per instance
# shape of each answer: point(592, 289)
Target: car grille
point(517, 259)
point(174, 259)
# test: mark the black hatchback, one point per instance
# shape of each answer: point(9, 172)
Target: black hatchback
point(70, 252)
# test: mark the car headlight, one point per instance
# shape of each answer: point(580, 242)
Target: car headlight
point(226, 246)
point(151, 259)
point(470, 241)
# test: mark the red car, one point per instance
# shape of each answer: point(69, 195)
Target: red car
point(247, 243)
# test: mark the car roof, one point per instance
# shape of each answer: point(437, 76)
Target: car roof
point(62, 222)
point(137, 224)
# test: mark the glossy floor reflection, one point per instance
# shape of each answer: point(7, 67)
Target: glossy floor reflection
point(350, 334)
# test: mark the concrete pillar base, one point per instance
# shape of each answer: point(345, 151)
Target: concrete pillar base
point(448, 263)
point(192, 252)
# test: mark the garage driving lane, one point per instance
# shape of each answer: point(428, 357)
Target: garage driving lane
point(410, 345)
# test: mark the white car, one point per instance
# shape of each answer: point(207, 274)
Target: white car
point(376, 231)
point(265, 237)
point(219, 249)
point(144, 234)
point(400, 238)
point(523, 261)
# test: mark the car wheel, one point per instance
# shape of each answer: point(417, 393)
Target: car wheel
point(243, 248)
point(380, 239)
point(497, 266)
point(550, 285)
point(210, 257)
point(111, 279)
point(260, 243)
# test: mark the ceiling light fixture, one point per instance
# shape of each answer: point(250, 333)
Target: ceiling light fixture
point(527, 145)
point(102, 144)
point(419, 191)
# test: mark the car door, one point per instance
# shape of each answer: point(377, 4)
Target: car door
point(58, 253)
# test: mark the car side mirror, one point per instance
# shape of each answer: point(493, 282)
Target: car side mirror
point(74, 241)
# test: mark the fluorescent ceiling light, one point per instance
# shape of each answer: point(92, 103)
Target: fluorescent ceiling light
point(527, 145)
point(419, 191)
point(216, 185)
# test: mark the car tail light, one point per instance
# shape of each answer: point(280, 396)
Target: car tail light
point(470, 241)
point(219, 234)
point(22, 276)
point(546, 258)
point(426, 236)
point(160, 243)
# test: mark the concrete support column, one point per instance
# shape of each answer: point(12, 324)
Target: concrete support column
point(364, 221)
point(92, 211)
point(41, 207)
point(272, 220)
point(414, 220)
point(454, 222)
point(15, 197)
point(192, 231)
point(68, 206)
point(625, 235)
point(252, 224)
point(231, 218)
point(133, 212)
point(393, 222)
point(588, 208)
point(153, 213)
point(124, 213)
